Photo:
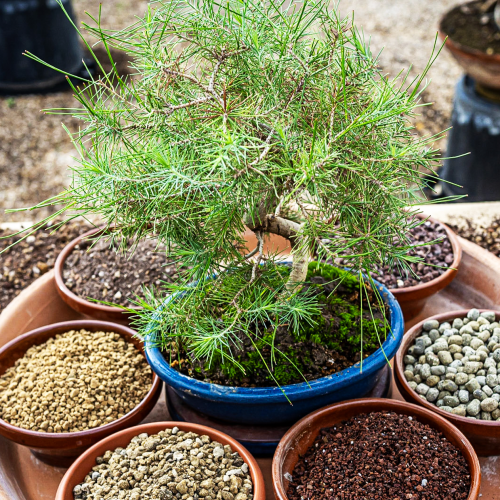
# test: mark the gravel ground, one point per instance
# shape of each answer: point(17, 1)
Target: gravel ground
point(35, 151)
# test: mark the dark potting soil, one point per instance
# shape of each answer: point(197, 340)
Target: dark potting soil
point(381, 456)
point(98, 271)
point(436, 259)
point(468, 25)
point(330, 346)
point(34, 256)
point(486, 237)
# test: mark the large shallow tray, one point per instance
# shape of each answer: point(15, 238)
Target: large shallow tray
point(23, 477)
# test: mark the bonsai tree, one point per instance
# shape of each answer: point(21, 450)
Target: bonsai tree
point(272, 117)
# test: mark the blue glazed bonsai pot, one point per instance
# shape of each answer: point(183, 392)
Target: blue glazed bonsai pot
point(268, 405)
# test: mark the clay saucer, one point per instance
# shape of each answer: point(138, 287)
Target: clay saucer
point(61, 448)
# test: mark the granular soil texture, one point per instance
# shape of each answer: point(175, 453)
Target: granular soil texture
point(381, 456)
point(23, 263)
point(473, 27)
point(436, 258)
point(99, 272)
point(486, 237)
point(332, 344)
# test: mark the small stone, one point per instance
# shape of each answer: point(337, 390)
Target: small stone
point(422, 389)
point(432, 395)
point(481, 380)
point(461, 378)
point(451, 401)
point(473, 314)
point(463, 396)
point(473, 408)
point(460, 411)
point(472, 367)
point(432, 380)
point(425, 371)
point(434, 335)
point(455, 339)
point(487, 390)
point(409, 375)
point(450, 386)
point(457, 323)
point(438, 370)
point(431, 324)
point(409, 360)
point(476, 343)
point(445, 357)
point(472, 385)
point(479, 395)
point(488, 315)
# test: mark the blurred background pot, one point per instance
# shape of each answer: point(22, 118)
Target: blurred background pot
point(42, 28)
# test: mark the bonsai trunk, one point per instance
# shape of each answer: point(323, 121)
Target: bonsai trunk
point(292, 231)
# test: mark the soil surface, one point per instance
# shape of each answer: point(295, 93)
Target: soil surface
point(486, 237)
point(437, 258)
point(322, 350)
point(97, 271)
point(381, 456)
point(29, 259)
point(469, 25)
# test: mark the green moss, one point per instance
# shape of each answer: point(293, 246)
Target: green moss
point(339, 328)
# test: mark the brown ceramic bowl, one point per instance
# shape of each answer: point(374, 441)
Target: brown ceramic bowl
point(302, 435)
point(483, 434)
point(483, 68)
point(412, 299)
point(63, 447)
point(77, 472)
point(83, 306)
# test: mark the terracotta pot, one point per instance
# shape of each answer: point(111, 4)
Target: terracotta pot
point(62, 448)
point(482, 67)
point(412, 299)
point(483, 434)
point(301, 436)
point(77, 472)
point(83, 306)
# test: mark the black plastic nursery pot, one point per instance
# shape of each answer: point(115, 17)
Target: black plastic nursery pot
point(42, 28)
point(473, 145)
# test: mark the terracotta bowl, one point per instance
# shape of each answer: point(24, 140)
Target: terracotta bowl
point(301, 436)
point(62, 448)
point(412, 299)
point(483, 68)
point(77, 472)
point(84, 306)
point(483, 434)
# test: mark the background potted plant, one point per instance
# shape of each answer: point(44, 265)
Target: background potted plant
point(274, 119)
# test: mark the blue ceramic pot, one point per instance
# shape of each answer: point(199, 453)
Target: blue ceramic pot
point(268, 405)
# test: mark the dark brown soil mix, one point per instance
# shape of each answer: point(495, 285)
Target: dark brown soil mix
point(98, 271)
point(25, 262)
point(436, 259)
point(381, 456)
point(330, 346)
point(468, 25)
point(486, 237)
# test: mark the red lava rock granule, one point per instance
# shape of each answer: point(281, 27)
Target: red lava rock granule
point(381, 456)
